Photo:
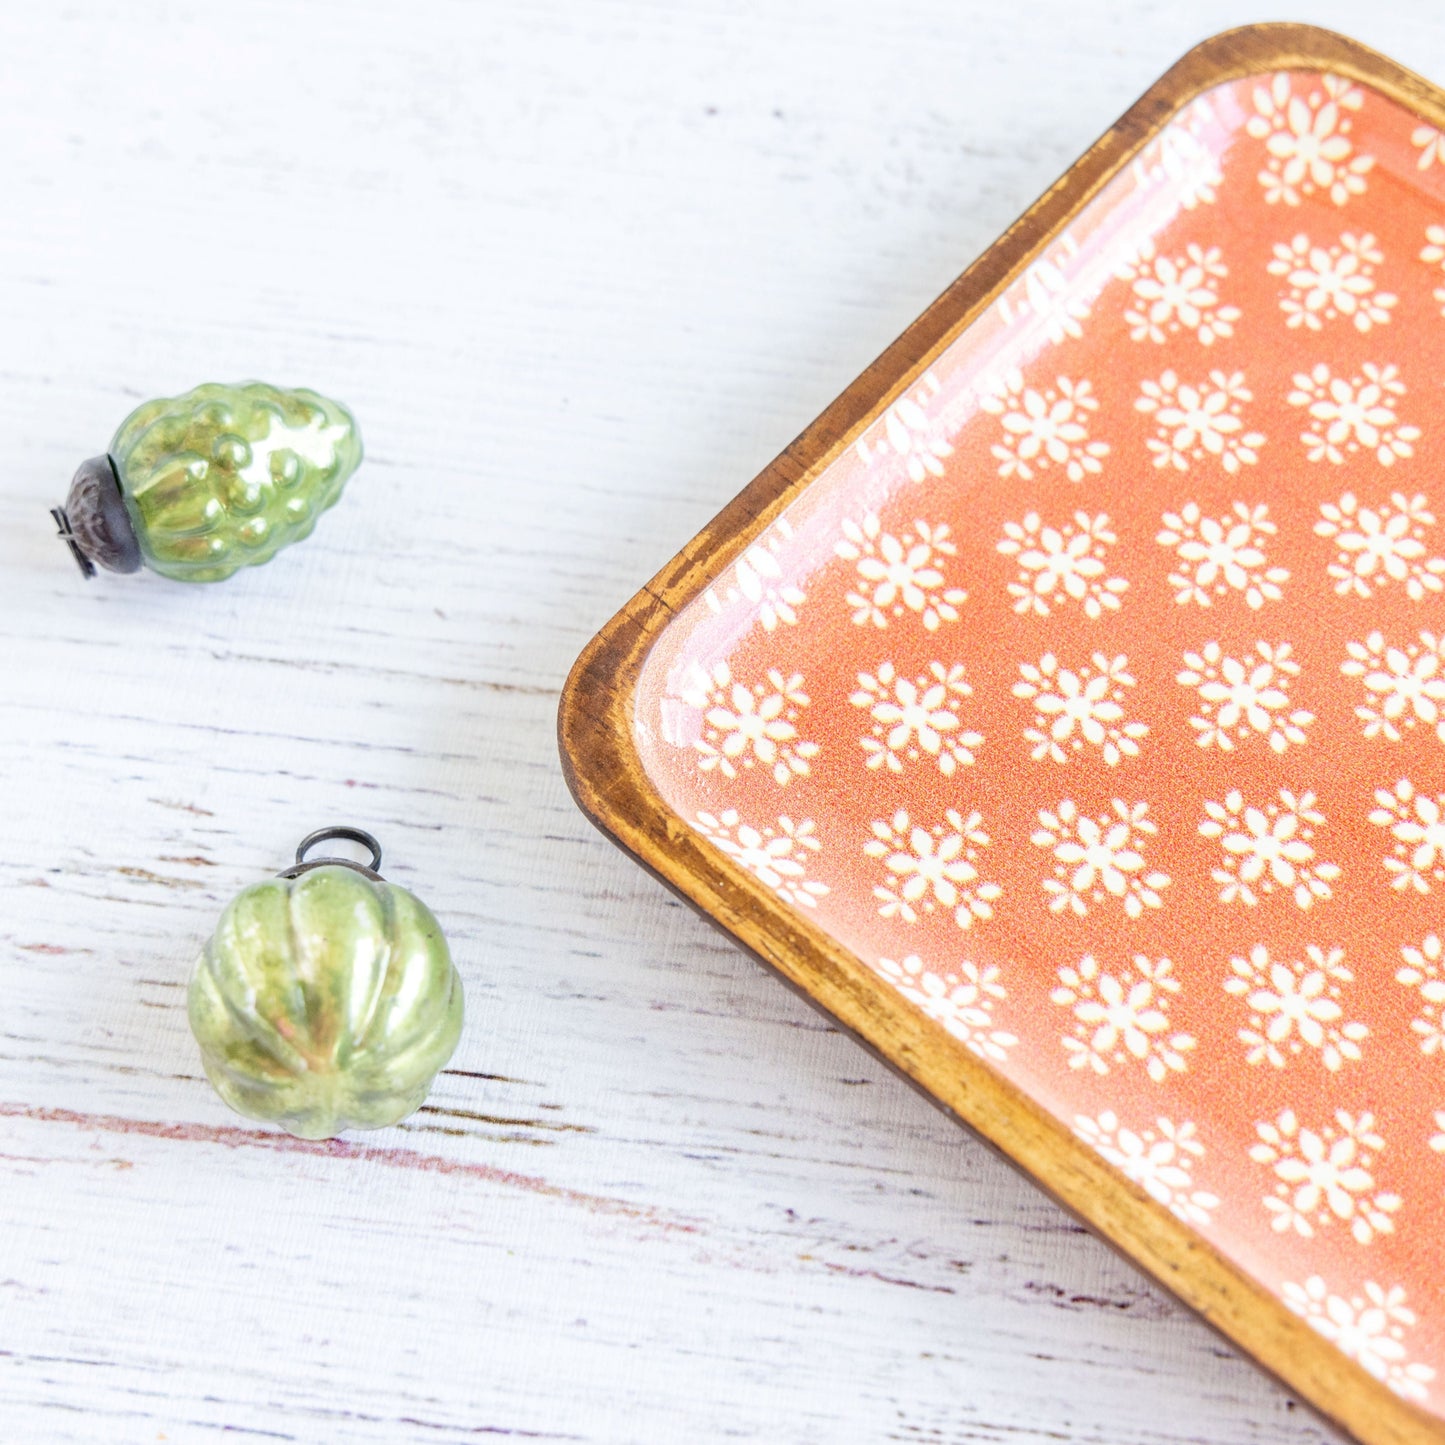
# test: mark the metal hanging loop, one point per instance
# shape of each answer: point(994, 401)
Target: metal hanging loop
point(343, 832)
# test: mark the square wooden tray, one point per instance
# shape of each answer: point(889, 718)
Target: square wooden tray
point(1064, 712)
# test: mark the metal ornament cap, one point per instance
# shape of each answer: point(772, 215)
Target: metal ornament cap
point(326, 999)
point(94, 520)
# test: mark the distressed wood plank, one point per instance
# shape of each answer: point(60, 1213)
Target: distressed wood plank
point(581, 270)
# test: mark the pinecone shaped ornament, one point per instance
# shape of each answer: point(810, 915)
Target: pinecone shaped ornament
point(326, 999)
point(198, 486)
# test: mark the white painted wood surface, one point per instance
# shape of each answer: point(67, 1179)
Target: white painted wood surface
point(581, 267)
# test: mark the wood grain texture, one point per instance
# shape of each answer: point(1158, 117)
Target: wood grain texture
point(581, 269)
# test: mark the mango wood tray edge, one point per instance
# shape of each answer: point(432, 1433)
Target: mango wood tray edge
point(605, 773)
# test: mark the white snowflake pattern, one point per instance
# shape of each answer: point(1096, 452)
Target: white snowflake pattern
point(1382, 544)
point(760, 579)
point(931, 868)
point(1245, 697)
point(1296, 1006)
point(1122, 1018)
point(1434, 254)
point(1195, 421)
point(1178, 293)
point(1222, 554)
point(1327, 283)
point(1417, 824)
point(778, 854)
point(1160, 1160)
point(910, 433)
point(961, 999)
point(1044, 427)
point(1404, 685)
point(1268, 848)
point(1097, 859)
point(1325, 1175)
point(1353, 415)
point(900, 574)
point(1368, 1327)
point(743, 725)
point(1425, 970)
point(1062, 564)
point(1307, 140)
point(1080, 707)
point(916, 718)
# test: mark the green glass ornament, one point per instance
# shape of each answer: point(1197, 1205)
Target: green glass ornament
point(197, 486)
point(326, 999)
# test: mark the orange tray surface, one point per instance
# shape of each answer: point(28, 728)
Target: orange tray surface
point(1095, 696)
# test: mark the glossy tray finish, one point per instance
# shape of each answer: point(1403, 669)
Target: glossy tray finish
point(1091, 696)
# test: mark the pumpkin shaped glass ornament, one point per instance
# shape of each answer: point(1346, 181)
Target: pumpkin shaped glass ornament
point(326, 999)
point(198, 486)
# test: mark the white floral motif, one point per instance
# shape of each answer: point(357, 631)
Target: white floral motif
point(909, 433)
point(1368, 1327)
point(1195, 421)
point(916, 718)
point(778, 855)
point(929, 868)
point(745, 725)
point(1245, 697)
point(1417, 824)
point(1122, 1019)
point(1074, 708)
point(1295, 1006)
point(1099, 858)
point(1382, 544)
point(1062, 564)
point(1160, 1160)
point(1353, 415)
point(1434, 254)
point(1178, 160)
point(900, 574)
point(1431, 143)
point(1268, 847)
point(1178, 293)
point(1425, 970)
point(1437, 1141)
point(1044, 427)
point(1325, 1175)
point(1329, 282)
point(759, 578)
point(1046, 293)
point(1222, 553)
point(1404, 686)
point(1307, 141)
point(961, 999)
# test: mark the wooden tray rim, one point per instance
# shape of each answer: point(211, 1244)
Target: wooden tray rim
point(605, 773)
